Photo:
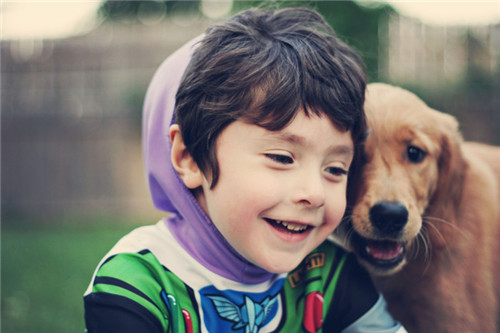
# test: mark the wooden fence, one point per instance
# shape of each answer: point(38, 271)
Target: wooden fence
point(71, 120)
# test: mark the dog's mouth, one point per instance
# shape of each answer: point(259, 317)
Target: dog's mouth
point(383, 255)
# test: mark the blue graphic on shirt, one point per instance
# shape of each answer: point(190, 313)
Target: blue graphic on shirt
point(250, 315)
point(230, 310)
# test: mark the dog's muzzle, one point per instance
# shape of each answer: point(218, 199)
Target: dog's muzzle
point(384, 251)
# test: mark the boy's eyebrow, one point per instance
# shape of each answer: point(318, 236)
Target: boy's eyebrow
point(291, 138)
point(300, 140)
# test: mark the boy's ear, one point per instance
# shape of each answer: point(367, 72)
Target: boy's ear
point(182, 160)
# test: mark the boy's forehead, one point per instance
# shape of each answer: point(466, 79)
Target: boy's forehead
point(299, 134)
point(344, 147)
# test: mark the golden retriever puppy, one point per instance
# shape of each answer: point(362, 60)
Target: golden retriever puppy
point(425, 220)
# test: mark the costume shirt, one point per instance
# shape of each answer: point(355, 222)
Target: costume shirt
point(149, 283)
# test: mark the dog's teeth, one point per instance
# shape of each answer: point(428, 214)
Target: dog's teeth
point(384, 250)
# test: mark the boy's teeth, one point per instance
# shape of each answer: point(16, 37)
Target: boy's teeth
point(292, 227)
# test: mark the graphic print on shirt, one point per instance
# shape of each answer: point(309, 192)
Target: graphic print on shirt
point(235, 311)
point(250, 316)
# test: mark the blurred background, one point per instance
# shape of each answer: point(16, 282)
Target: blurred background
point(73, 79)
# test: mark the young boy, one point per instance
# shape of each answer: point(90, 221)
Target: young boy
point(252, 170)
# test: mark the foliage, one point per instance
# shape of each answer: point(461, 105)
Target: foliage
point(118, 10)
point(358, 26)
point(355, 24)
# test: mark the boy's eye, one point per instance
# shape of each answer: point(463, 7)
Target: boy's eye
point(336, 171)
point(282, 159)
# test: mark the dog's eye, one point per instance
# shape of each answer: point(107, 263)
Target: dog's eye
point(415, 155)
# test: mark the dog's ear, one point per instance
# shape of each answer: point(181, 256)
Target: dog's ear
point(451, 167)
point(451, 163)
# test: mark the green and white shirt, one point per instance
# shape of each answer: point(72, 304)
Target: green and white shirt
point(149, 283)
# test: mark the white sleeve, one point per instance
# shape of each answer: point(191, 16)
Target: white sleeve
point(376, 320)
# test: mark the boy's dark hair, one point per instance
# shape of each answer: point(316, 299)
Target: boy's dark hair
point(261, 67)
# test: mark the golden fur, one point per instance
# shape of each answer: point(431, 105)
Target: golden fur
point(439, 266)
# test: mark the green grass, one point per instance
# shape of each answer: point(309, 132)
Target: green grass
point(46, 270)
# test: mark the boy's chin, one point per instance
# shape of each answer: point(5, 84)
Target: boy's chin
point(281, 266)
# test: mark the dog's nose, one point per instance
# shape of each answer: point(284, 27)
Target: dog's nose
point(389, 217)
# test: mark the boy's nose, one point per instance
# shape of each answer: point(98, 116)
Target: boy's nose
point(310, 192)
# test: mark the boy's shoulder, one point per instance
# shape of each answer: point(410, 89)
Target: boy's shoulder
point(326, 255)
point(134, 250)
point(326, 261)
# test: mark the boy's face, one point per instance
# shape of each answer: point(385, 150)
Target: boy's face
point(280, 193)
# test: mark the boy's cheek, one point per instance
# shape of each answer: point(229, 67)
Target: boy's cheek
point(335, 208)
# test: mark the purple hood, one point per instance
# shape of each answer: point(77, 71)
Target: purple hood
point(186, 220)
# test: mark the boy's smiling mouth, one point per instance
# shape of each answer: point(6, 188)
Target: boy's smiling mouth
point(291, 227)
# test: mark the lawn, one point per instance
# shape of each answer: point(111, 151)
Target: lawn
point(45, 271)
